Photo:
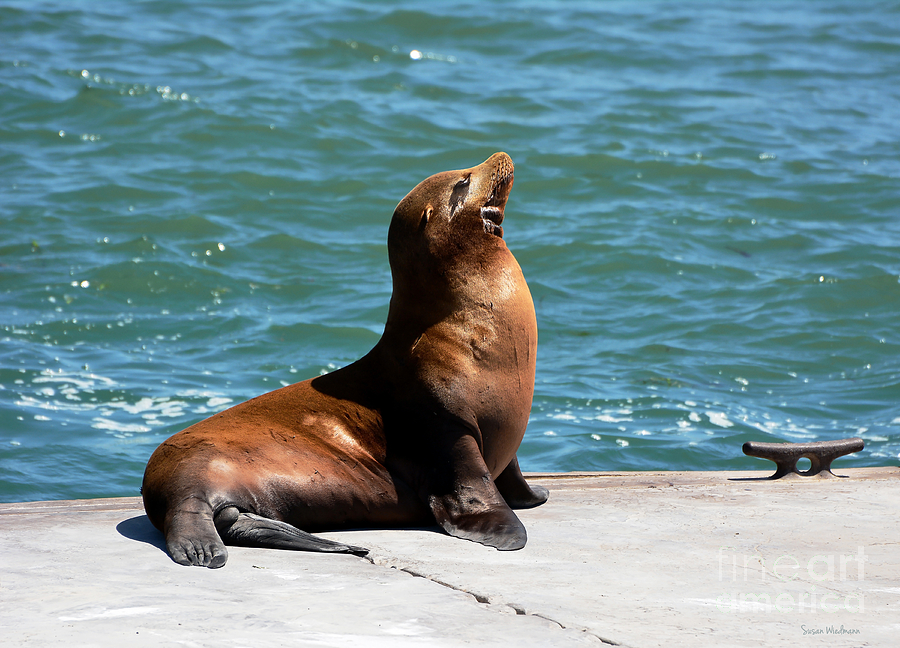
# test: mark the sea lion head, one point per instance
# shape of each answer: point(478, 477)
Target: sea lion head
point(451, 221)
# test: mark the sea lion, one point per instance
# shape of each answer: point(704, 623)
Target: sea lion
point(423, 428)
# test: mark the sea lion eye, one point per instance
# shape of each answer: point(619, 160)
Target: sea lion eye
point(458, 196)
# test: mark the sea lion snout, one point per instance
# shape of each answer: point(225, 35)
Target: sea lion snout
point(502, 166)
point(502, 174)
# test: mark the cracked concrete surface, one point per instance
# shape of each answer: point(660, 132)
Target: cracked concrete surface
point(634, 559)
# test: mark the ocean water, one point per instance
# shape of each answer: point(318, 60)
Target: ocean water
point(194, 202)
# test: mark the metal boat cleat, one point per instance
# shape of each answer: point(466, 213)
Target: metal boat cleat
point(820, 455)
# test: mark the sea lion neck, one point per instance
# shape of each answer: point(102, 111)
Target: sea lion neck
point(410, 314)
point(477, 296)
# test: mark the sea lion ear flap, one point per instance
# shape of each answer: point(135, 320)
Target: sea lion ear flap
point(426, 216)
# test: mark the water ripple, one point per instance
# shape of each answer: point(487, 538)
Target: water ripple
point(196, 200)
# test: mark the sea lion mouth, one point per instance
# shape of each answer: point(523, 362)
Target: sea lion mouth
point(491, 218)
point(492, 211)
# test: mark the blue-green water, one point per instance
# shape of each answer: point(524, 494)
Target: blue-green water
point(194, 201)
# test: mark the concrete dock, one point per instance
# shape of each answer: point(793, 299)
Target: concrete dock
point(632, 559)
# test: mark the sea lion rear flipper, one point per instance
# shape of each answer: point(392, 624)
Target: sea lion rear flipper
point(249, 530)
point(467, 504)
point(517, 492)
point(191, 537)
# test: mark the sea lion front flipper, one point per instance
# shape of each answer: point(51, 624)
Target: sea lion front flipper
point(467, 504)
point(517, 492)
point(250, 530)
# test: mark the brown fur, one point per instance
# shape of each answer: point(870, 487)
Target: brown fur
point(424, 427)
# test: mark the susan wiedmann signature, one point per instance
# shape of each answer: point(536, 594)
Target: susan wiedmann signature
point(829, 630)
point(787, 585)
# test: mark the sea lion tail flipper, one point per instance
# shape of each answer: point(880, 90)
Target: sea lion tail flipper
point(249, 530)
point(517, 492)
point(469, 505)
